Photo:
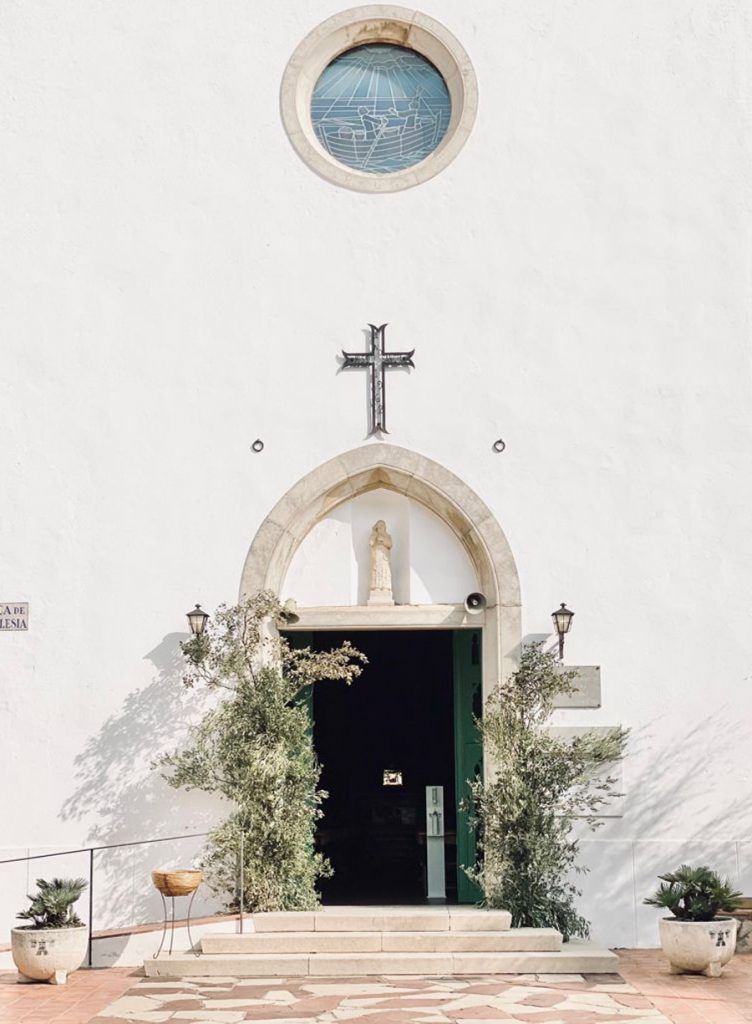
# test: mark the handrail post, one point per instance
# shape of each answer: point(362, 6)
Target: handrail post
point(91, 904)
point(242, 878)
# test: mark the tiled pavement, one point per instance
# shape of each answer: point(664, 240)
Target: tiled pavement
point(570, 999)
point(644, 993)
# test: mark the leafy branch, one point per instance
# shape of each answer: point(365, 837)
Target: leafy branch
point(539, 784)
point(254, 749)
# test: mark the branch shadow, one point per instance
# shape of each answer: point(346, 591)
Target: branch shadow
point(678, 807)
point(121, 798)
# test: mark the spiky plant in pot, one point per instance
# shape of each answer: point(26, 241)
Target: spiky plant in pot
point(52, 904)
point(695, 938)
point(55, 942)
point(694, 894)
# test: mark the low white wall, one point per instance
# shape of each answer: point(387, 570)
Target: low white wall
point(622, 872)
point(123, 891)
point(131, 950)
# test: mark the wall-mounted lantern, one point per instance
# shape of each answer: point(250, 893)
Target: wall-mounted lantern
point(562, 619)
point(197, 620)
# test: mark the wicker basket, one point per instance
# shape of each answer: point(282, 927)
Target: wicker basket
point(177, 883)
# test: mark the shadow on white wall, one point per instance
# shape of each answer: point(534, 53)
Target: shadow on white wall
point(671, 783)
point(120, 798)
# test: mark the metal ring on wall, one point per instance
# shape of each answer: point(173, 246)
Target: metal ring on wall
point(499, 445)
point(257, 446)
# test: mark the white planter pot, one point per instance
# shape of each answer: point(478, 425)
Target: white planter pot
point(48, 954)
point(703, 946)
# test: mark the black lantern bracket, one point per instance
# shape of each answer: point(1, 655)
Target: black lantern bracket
point(562, 620)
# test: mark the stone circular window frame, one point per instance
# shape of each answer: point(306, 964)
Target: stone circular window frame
point(361, 26)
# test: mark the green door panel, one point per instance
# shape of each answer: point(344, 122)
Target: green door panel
point(468, 748)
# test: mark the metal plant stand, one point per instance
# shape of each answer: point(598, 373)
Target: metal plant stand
point(171, 922)
point(172, 884)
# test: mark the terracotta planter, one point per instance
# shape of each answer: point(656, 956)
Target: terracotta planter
point(699, 946)
point(48, 954)
point(177, 883)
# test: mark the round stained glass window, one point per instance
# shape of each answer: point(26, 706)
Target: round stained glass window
point(380, 108)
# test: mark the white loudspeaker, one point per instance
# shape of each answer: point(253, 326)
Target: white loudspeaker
point(289, 613)
point(475, 603)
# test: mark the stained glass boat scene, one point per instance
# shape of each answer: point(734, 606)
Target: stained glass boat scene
point(380, 108)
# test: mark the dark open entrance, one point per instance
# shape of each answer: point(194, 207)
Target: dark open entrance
point(398, 717)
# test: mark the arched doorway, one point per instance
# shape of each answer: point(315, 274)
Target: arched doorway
point(483, 648)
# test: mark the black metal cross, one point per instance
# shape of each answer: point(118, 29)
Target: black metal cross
point(376, 361)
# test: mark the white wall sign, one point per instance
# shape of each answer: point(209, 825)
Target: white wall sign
point(14, 616)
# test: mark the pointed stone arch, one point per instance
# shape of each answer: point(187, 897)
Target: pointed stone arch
point(398, 469)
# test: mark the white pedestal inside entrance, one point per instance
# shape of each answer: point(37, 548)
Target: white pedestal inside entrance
point(435, 867)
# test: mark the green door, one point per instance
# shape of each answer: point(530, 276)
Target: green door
point(468, 748)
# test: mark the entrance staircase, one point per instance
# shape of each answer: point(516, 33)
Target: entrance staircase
point(361, 941)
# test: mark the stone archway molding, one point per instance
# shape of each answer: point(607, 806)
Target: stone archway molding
point(398, 469)
point(364, 469)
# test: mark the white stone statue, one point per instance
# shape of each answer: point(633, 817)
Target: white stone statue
point(380, 583)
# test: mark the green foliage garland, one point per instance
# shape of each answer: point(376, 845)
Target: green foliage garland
point(539, 784)
point(255, 750)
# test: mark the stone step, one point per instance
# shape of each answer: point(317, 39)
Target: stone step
point(515, 940)
point(384, 919)
point(573, 958)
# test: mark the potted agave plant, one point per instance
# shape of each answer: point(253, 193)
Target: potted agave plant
point(696, 938)
point(55, 943)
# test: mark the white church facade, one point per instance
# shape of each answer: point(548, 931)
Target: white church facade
point(276, 274)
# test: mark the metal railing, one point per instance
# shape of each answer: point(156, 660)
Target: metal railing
point(91, 850)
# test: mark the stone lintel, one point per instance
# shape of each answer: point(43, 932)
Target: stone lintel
point(385, 616)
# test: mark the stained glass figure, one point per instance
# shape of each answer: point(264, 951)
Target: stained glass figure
point(380, 108)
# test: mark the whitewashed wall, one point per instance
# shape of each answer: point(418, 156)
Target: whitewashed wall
point(177, 283)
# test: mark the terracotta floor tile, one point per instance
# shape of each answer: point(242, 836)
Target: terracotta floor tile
point(316, 1004)
point(85, 994)
point(542, 999)
point(481, 1013)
